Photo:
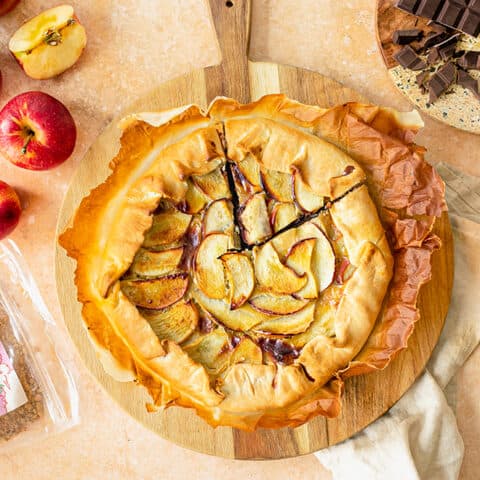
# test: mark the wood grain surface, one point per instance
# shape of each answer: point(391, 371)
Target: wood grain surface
point(366, 397)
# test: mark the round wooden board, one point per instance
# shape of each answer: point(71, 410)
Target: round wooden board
point(366, 397)
point(458, 107)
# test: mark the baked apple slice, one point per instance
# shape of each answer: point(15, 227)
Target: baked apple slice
point(283, 214)
point(175, 323)
point(155, 264)
point(240, 276)
point(156, 293)
point(218, 218)
point(254, 220)
point(299, 259)
point(277, 184)
point(214, 184)
point(246, 351)
point(249, 168)
point(306, 199)
point(49, 43)
point(208, 268)
point(195, 199)
point(290, 324)
point(167, 227)
point(277, 304)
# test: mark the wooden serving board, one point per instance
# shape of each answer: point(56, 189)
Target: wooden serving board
point(366, 397)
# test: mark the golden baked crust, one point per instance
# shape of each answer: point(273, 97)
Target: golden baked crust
point(163, 159)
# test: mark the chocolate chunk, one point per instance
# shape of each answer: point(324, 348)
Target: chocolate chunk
point(434, 38)
point(467, 81)
point(446, 49)
point(441, 80)
point(407, 5)
point(433, 56)
point(404, 37)
point(407, 58)
point(470, 60)
point(422, 81)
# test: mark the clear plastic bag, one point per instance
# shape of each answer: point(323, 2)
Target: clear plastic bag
point(38, 394)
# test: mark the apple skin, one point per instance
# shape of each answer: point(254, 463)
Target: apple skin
point(7, 5)
point(37, 132)
point(10, 209)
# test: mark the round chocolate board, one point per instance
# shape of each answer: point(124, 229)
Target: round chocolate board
point(366, 397)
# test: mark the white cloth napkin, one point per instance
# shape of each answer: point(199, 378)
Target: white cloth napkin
point(418, 438)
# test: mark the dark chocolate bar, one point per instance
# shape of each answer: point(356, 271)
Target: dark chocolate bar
point(407, 58)
point(470, 60)
point(404, 37)
point(441, 80)
point(467, 81)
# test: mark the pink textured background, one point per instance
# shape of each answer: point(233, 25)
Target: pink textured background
point(131, 46)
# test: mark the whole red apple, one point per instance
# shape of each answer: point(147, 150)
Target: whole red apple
point(10, 209)
point(7, 5)
point(37, 132)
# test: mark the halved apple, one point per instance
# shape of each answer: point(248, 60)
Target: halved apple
point(277, 184)
point(49, 43)
point(195, 199)
point(277, 304)
point(305, 197)
point(242, 319)
point(167, 227)
point(254, 220)
point(247, 351)
point(300, 260)
point(175, 323)
point(250, 169)
point(290, 324)
point(323, 324)
point(213, 184)
point(283, 214)
point(154, 264)
point(211, 351)
point(156, 293)
point(240, 276)
point(209, 269)
point(218, 218)
point(323, 258)
point(273, 275)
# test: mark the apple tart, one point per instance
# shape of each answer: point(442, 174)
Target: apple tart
point(242, 261)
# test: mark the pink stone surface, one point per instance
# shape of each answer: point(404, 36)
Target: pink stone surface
point(132, 46)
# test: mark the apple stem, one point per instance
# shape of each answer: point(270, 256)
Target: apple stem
point(29, 135)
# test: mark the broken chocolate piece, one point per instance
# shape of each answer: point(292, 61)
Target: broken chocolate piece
point(407, 5)
point(470, 60)
point(433, 56)
point(434, 38)
point(467, 81)
point(446, 49)
point(441, 80)
point(422, 81)
point(404, 37)
point(407, 58)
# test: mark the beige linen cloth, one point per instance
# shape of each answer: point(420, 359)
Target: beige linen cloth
point(418, 438)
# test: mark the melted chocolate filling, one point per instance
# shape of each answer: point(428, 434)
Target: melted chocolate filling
point(280, 351)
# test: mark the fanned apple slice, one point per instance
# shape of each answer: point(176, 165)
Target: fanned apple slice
point(242, 319)
point(277, 184)
point(283, 214)
point(155, 264)
point(323, 324)
point(218, 218)
point(304, 196)
point(175, 323)
point(167, 227)
point(273, 275)
point(300, 259)
point(211, 351)
point(209, 269)
point(250, 169)
point(290, 324)
point(195, 200)
point(254, 220)
point(213, 184)
point(156, 293)
point(323, 258)
point(240, 276)
point(246, 351)
point(277, 304)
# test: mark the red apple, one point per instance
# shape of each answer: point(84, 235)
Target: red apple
point(10, 209)
point(7, 5)
point(37, 131)
point(49, 43)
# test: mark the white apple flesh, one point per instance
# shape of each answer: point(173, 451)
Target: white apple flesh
point(37, 132)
